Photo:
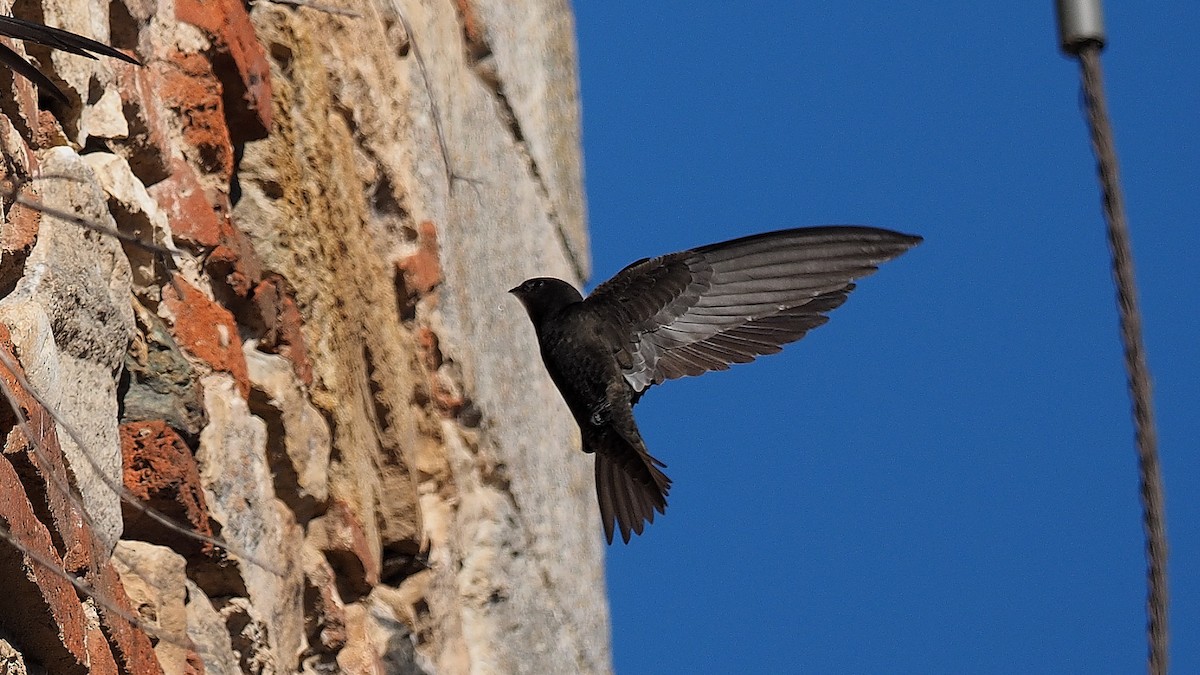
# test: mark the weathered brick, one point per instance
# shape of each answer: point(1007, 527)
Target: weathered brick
point(423, 270)
point(189, 86)
point(17, 238)
point(43, 468)
point(147, 148)
point(160, 470)
point(207, 331)
point(100, 657)
point(233, 261)
point(51, 622)
point(194, 220)
point(49, 133)
point(48, 619)
point(248, 95)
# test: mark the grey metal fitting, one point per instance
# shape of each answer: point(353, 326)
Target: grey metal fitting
point(1080, 23)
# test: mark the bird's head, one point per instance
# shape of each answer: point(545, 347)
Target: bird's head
point(543, 296)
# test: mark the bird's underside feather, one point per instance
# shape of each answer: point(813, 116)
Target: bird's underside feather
point(694, 311)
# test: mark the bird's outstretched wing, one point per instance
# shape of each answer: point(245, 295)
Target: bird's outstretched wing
point(27, 70)
point(693, 311)
point(11, 26)
point(19, 29)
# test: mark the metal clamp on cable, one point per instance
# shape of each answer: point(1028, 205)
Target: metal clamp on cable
point(1080, 23)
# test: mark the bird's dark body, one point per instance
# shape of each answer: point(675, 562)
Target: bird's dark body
point(579, 360)
point(684, 314)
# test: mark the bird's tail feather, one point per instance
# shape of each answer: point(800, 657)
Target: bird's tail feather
point(630, 486)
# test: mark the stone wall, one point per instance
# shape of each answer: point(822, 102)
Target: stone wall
point(327, 381)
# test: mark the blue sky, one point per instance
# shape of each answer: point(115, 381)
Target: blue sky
point(942, 479)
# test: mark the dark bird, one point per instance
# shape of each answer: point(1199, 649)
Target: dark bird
point(12, 27)
point(680, 314)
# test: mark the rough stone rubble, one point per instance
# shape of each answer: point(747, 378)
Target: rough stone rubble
point(329, 377)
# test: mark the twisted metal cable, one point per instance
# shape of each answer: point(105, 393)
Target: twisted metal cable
point(1153, 519)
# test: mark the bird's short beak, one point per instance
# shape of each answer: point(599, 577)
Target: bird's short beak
point(514, 289)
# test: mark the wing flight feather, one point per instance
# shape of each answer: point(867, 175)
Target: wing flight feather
point(693, 311)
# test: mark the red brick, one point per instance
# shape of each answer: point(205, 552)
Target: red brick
point(194, 665)
point(189, 86)
point(147, 148)
point(207, 331)
point(160, 470)
point(24, 93)
point(440, 388)
point(472, 30)
point(100, 657)
point(21, 155)
point(430, 348)
point(446, 394)
point(17, 238)
point(44, 469)
point(228, 24)
point(234, 261)
point(194, 220)
point(130, 644)
point(200, 221)
point(49, 133)
point(21, 230)
point(423, 270)
point(51, 622)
